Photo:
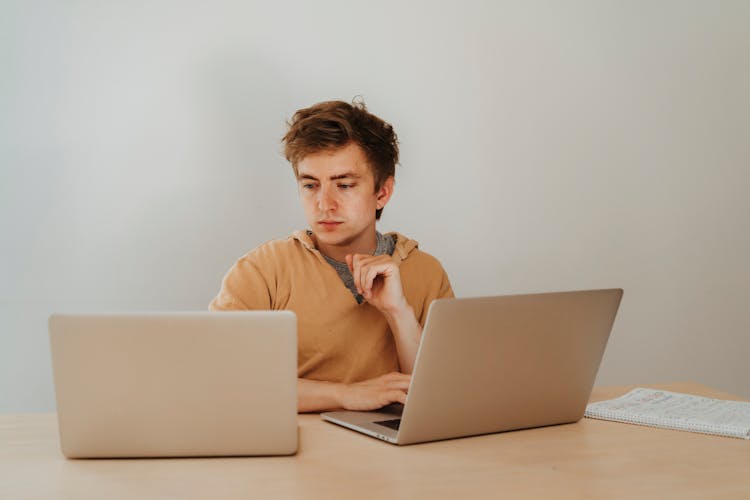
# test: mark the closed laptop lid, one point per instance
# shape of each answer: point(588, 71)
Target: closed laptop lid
point(176, 384)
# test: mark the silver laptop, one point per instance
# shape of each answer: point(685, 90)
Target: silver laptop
point(495, 364)
point(176, 384)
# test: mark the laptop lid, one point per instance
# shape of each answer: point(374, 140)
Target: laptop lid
point(175, 384)
point(492, 364)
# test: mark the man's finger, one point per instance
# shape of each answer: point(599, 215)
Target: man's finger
point(397, 397)
point(402, 385)
point(359, 279)
point(362, 274)
point(398, 376)
point(369, 278)
point(375, 270)
point(356, 271)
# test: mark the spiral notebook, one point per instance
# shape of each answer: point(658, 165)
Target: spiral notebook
point(674, 410)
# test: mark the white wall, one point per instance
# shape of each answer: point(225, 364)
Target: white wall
point(545, 146)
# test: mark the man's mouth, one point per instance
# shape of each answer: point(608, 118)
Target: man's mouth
point(330, 223)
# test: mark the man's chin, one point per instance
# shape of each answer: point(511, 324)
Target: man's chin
point(330, 239)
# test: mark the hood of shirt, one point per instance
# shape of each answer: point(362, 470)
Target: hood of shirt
point(404, 245)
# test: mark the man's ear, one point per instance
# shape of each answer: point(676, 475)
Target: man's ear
point(385, 192)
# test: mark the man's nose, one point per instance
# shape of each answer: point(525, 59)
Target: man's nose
point(326, 200)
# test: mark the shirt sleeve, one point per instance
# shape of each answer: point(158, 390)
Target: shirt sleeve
point(424, 280)
point(247, 285)
point(446, 290)
point(441, 290)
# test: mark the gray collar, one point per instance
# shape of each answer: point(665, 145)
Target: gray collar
point(385, 245)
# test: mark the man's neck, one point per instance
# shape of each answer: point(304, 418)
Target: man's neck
point(365, 244)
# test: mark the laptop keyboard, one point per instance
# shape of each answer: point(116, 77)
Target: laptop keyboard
point(391, 424)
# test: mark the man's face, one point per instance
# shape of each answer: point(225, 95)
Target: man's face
point(337, 189)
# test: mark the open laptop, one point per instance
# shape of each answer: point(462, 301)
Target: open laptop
point(493, 364)
point(176, 384)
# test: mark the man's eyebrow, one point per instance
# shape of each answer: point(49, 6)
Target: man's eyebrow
point(345, 175)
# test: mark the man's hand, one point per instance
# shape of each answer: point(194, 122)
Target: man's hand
point(375, 393)
point(318, 395)
point(378, 280)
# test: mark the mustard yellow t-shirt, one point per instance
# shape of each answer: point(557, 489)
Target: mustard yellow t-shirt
point(339, 340)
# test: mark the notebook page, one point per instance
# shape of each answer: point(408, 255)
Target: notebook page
point(677, 411)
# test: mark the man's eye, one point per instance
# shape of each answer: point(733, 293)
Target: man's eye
point(346, 186)
point(308, 186)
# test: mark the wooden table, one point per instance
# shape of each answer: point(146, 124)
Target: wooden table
point(589, 459)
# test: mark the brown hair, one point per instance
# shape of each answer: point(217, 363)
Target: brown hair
point(332, 125)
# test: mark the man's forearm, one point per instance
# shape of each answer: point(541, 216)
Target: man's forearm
point(316, 395)
point(406, 333)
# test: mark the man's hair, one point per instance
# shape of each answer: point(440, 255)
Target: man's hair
point(332, 125)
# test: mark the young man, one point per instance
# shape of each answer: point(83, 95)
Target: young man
point(360, 297)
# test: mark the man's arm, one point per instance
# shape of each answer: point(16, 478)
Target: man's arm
point(317, 395)
point(378, 280)
point(407, 333)
point(244, 287)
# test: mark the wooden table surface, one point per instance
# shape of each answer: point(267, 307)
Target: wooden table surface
point(588, 459)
